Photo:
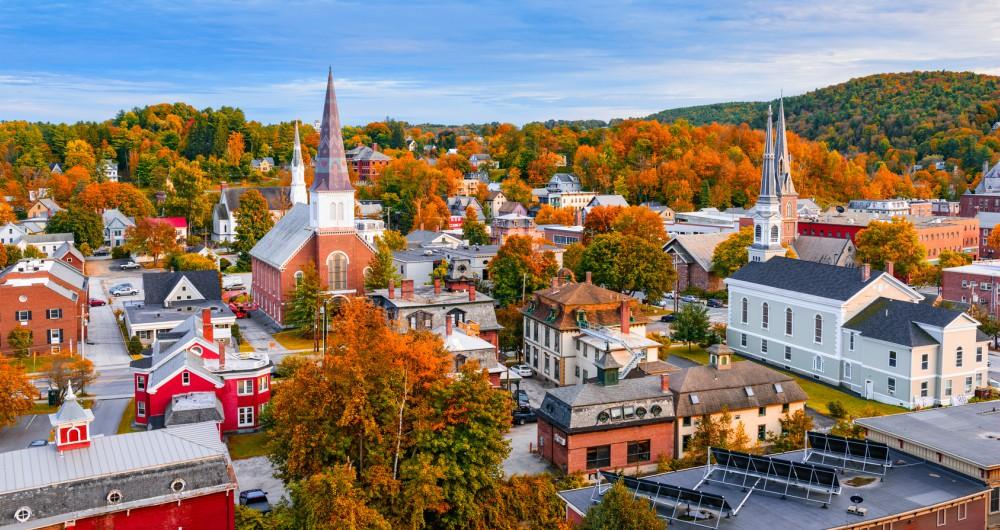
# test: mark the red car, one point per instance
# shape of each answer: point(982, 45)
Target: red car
point(94, 302)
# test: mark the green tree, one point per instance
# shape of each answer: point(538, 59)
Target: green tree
point(793, 432)
point(305, 301)
point(253, 220)
point(20, 341)
point(330, 500)
point(135, 346)
point(512, 333)
point(381, 269)
point(394, 239)
point(86, 226)
point(691, 324)
point(441, 271)
point(895, 241)
point(518, 268)
point(190, 199)
point(473, 230)
point(620, 509)
point(628, 264)
point(931, 274)
point(731, 255)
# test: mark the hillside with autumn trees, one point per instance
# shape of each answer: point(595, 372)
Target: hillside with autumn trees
point(901, 118)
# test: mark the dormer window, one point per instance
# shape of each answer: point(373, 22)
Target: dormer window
point(694, 399)
point(749, 391)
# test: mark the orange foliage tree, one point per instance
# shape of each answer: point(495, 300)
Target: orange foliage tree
point(600, 220)
point(125, 197)
point(641, 222)
point(16, 393)
point(547, 215)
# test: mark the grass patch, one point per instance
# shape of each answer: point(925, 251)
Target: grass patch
point(696, 353)
point(33, 363)
point(44, 408)
point(652, 310)
point(293, 340)
point(246, 347)
point(247, 445)
point(125, 423)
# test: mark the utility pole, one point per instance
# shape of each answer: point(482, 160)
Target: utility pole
point(82, 343)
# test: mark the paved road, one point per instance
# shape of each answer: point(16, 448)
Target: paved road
point(994, 360)
point(521, 461)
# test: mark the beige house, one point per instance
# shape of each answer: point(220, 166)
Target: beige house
point(755, 396)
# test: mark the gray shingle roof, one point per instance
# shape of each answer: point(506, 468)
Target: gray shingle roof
point(829, 250)
point(726, 389)
point(577, 407)
point(159, 284)
point(806, 277)
point(895, 321)
point(60, 237)
point(699, 247)
point(277, 197)
point(287, 236)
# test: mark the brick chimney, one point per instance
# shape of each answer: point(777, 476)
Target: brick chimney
point(665, 383)
point(392, 289)
point(889, 268)
point(626, 317)
point(222, 354)
point(555, 282)
point(207, 328)
point(588, 278)
point(448, 325)
point(866, 272)
point(437, 286)
point(472, 293)
point(407, 290)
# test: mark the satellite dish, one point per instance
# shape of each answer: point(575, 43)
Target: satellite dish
point(857, 499)
point(840, 209)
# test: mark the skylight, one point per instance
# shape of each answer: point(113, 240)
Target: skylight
point(777, 388)
point(749, 391)
point(694, 399)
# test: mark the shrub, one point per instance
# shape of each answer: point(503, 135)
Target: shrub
point(134, 345)
point(237, 336)
point(224, 264)
point(119, 252)
point(837, 410)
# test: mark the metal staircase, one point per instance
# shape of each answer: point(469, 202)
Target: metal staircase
point(604, 333)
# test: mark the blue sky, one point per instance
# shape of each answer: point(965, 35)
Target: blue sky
point(455, 62)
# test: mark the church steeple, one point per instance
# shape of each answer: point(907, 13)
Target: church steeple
point(331, 198)
point(767, 221)
point(297, 191)
point(782, 161)
point(768, 189)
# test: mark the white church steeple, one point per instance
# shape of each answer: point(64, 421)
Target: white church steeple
point(297, 191)
point(767, 220)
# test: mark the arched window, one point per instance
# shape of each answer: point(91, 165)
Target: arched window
point(958, 356)
point(743, 311)
point(788, 210)
point(763, 316)
point(756, 233)
point(788, 321)
point(774, 234)
point(818, 333)
point(336, 266)
point(298, 278)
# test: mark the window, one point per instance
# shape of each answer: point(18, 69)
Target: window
point(995, 500)
point(743, 311)
point(140, 383)
point(891, 386)
point(847, 371)
point(599, 456)
point(185, 378)
point(850, 341)
point(686, 439)
point(244, 387)
point(55, 336)
point(788, 353)
point(788, 321)
point(923, 362)
point(262, 384)
point(22, 514)
point(762, 411)
point(818, 333)
point(54, 314)
point(763, 345)
point(743, 340)
point(298, 278)
point(757, 234)
point(892, 358)
point(784, 408)
point(686, 421)
point(947, 388)
point(963, 511)
point(958, 356)
point(942, 517)
point(638, 451)
point(979, 354)
point(923, 389)
point(546, 337)
point(22, 316)
point(337, 271)
point(774, 234)
point(140, 409)
point(762, 432)
point(114, 497)
point(818, 363)
point(763, 316)
point(968, 385)
point(245, 417)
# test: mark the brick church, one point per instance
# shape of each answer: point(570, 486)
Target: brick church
point(322, 232)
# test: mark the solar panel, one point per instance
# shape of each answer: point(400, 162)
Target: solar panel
point(812, 482)
point(676, 502)
point(848, 453)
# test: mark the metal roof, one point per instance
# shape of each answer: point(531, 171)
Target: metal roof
point(287, 236)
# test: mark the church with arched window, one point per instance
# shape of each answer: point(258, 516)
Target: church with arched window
point(320, 232)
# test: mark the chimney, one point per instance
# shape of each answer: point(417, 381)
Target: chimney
point(207, 328)
point(392, 289)
point(626, 317)
point(375, 146)
point(555, 282)
point(866, 272)
point(588, 277)
point(448, 326)
point(472, 293)
point(407, 290)
point(437, 286)
point(222, 354)
point(889, 268)
point(665, 383)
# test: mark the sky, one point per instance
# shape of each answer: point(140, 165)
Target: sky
point(465, 62)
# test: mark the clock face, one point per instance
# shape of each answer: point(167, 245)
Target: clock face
point(22, 298)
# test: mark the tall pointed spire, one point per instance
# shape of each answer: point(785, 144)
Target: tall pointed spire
point(767, 174)
point(782, 161)
point(331, 163)
point(297, 191)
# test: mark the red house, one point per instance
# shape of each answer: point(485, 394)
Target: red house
point(180, 477)
point(321, 233)
point(191, 378)
point(47, 297)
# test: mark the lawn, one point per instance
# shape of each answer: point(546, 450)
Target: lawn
point(32, 363)
point(125, 423)
point(696, 353)
point(293, 340)
point(247, 445)
point(44, 408)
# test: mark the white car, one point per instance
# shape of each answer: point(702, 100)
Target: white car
point(523, 370)
point(232, 283)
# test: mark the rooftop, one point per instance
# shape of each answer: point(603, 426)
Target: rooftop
point(911, 485)
point(863, 219)
point(896, 322)
point(806, 277)
point(727, 389)
point(984, 268)
point(579, 407)
point(156, 313)
point(968, 432)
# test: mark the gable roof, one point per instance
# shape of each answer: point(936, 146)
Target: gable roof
point(829, 250)
point(68, 248)
point(700, 247)
point(364, 152)
point(285, 238)
point(608, 200)
point(48, 203)
point(726, 389)
point(48, 238)
point(277, 197)
point(159, 284)
point(577, 408)
point(895, 321)
point(806, 277)
point(176, 222)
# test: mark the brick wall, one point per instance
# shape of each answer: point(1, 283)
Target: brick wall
point(38, 299)
point(572, 456)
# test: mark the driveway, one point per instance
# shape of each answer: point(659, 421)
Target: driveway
point(536, 387)
point(521, 461)
point(259, 473)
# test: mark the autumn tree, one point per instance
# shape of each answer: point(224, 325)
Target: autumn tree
point(305, 300)
point(234, 148)
point(331, 500)
point(191, 262)
point(641, 222)
point(895, 241)
point(718, 431)
point(85, 225)
point(253, 221)
point(394, 239)
point(793, 432)
point(930, 274)
point(68, 368)
point(600, 220)
point(547, 215)
point(189, 199)
point(6, 213)
point(628, 264)
point(691, 324)
point(20, 341)
point(515, 190)
point(620, 509)
point(993, 240)
point(79, 153)
point(151, 237)
point(473, 230)
point(431, 213)
point(512, 334)
point(731, 254)
point(16, 393)
point(106, 195)
point(381, 269)
point(4, 258)
point(520, 269)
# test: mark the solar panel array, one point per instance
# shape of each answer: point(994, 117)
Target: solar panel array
point(786, 478)
point(860, 455)
point(676, 496)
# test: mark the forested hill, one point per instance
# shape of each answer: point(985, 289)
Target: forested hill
point(899, 118)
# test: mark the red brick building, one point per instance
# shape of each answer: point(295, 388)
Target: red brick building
point(692, 258)
point(190, 378)
point(935, 233)
point(973, 284)
point(367, 162)
point(47, 297)
point(322, 232)
point(172, 478)
point(612, 424)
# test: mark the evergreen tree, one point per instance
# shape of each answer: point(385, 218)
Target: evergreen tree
point(305, 301)
point(253, 221)
point(691, 324)
point(621, 510)
point(381, 269)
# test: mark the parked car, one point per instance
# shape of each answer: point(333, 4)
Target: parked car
point(38, 443)
point(524, 415)
point(101, 252)
point(689, 298)
point(994, 383)
point(255, 499)
point(96, 302)
point(521, 397)
point(124, 289)
point(669, 317)
point(523, 370)
point(129, 265)
point(715, 302)
point(232, 283)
